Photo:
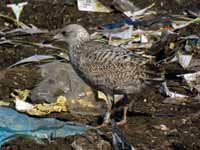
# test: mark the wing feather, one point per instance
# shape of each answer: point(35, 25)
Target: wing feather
point(116, 68)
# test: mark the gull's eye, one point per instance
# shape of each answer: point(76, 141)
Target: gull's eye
point(64, 33)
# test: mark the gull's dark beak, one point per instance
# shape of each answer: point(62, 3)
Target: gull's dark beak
point(55, 38)
point(58, 37)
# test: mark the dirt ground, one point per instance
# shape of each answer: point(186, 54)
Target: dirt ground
point(152, 125)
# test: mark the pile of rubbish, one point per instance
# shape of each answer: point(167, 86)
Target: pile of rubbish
point(144, 31)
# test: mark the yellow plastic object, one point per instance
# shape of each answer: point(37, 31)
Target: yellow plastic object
point(60, 105)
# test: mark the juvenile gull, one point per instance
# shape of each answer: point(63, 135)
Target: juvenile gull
point(112, 70)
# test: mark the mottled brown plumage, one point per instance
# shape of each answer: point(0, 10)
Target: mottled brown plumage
point(112, 70)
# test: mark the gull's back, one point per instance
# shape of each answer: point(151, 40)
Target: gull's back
point(114, 69)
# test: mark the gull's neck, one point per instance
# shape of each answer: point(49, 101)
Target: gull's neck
point(76, 50)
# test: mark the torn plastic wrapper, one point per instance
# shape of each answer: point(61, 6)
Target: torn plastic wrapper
point(121, 23)
point(184, 59)
point(164, 90)
point(13, 124)
point(29, 29)
point(124, 5)
point(139, 12)
point(62, 104)
point(92, 5)
point(119, 140)
point(22, 106)
point(125, 34)
point(34, 58)
point(17, 9)
point(185, 24)
point(192, 79)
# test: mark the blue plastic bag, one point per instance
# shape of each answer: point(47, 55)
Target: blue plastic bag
point(13, 123)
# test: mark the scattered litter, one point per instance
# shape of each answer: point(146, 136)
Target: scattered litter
point(92, 5)
point(5, 42)
point(21, 94)
point(35, 58)
point(20, 100)
point(14, 21)
point(190, 37)
point(120, 23)
point(17, 9)
point(143, 39)
point(192, 79)
point(29, 29)
point(125, 34)
point(180, 26)
point(119, 140)
point(139, 12)
point(61, 105)
point(22, 106)
point(161, 127)
point(141, 30)
point(164, 90)
point(124, 5)
point(13, 124)
point(40, 45)
point(184, 59)
point(4, 103)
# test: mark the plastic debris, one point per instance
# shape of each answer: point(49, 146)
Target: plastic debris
point(139, 12)
point(12, 20)
point(139, 33)
point(20, 99)
point(125, 34)
point(161, 127)
point(34, 58)
point(184, 59)
point(29, 29)
point(119, 140)
point(61, 105)
point(13, 124)
point(164, 90)
point(17, 9)
point(92, 5)
point(129, 9)
point(120, 23)
point(22, 106)
point(124, 5)
point(183, 25)
point(192, 79)
point(4, 103)
point(143, 39)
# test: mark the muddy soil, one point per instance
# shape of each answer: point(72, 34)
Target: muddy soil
point(152, 124)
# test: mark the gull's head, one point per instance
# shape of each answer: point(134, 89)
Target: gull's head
point(73, 35)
